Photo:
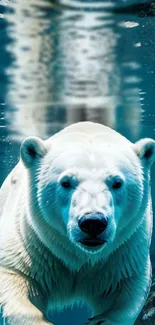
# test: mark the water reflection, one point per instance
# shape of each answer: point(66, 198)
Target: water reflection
point(67, 67)
point(146, 9)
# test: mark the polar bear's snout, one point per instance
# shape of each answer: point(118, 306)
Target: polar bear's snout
point(93, 224)
point(92, 215)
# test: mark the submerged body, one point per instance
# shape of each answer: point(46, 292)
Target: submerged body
point(76, 223)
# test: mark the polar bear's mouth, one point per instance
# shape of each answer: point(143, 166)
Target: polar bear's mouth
point(91, 242)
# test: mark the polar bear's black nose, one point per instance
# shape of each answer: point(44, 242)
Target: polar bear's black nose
point(93, 224)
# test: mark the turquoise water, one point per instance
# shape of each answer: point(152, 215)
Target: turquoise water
point(70, 60)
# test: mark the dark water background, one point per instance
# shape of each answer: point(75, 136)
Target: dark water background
point(70, 60)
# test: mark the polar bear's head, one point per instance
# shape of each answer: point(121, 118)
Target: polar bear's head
point(89, 187)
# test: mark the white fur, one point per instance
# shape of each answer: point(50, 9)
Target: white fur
point(43, 265)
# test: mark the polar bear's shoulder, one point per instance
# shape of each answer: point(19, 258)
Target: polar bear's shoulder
point(10, 186)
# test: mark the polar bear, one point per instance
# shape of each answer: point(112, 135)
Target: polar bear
point(76, 223)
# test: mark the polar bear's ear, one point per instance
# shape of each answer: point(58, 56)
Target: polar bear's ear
point(31, 149)
point(145, 150)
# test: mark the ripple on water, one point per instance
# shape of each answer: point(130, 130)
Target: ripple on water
point(69, 57)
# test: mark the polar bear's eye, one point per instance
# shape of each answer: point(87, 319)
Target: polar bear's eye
point(66, 184)
point(117, 184)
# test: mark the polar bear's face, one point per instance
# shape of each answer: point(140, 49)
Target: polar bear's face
point(91, 201)
point(89, 191)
